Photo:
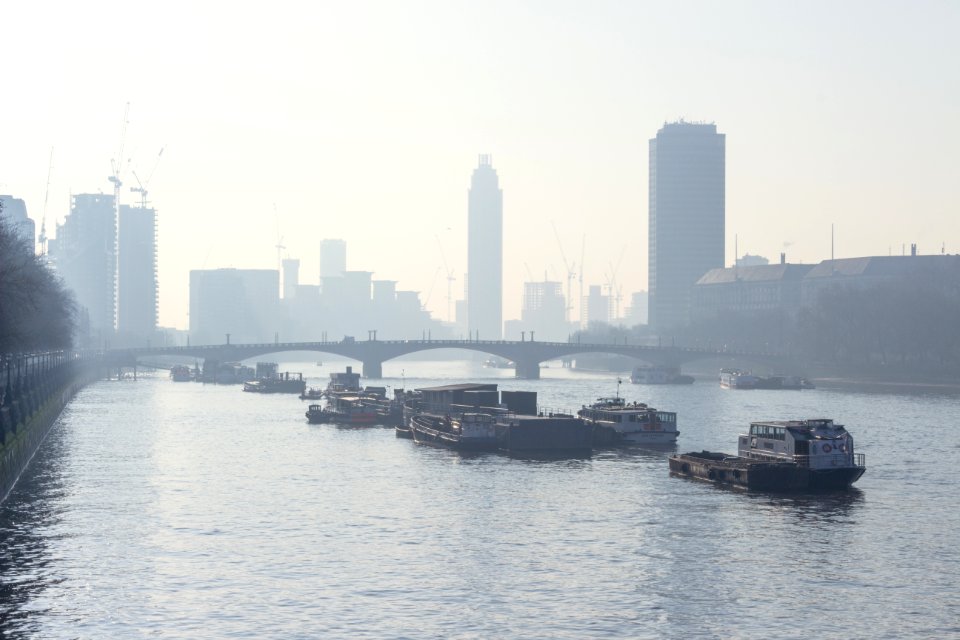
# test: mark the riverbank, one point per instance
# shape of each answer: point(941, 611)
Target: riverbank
point(26, 417)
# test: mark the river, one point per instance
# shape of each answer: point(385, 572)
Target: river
point(179, 510)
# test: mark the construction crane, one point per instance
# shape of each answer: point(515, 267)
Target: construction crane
point(46, 198)
point(450, 280)
point(571, 275)
point(279, 246)
point(583, 248)
point(141, 187)
point(614, 288)
point(116, 163)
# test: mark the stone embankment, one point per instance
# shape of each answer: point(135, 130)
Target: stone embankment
point(35, 389)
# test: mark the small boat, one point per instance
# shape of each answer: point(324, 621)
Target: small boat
point(659, 375)
point(313, 393)
point(617, 422)
point(181, 373)
point(792, 455)
point(468, 432)
point(342, 414)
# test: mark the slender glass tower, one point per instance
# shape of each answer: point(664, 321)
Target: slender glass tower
point(687, 211)
point(485, 253)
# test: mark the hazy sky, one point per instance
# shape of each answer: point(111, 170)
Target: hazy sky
point(363, 121)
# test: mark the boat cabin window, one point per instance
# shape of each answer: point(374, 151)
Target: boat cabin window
point(768, 431)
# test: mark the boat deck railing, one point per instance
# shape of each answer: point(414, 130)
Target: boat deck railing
point(837, 459)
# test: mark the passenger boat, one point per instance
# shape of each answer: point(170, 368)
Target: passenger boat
point(617, 422)
point(737, 379)
point(468, 432)
point(792, 455)
point(277, 383)
point(659, 375)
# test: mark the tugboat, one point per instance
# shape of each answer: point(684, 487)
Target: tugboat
point(468, 432)
point(616, 422)
point(792, 455)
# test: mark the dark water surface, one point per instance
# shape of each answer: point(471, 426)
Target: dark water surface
point(178, 510)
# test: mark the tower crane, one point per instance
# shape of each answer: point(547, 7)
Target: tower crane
point(279, 246)
point(450, 279)
point(614, 287)
point(141, 187)
point(46, 198)
point(116, 163)
point(583, 248)
point(571, 275)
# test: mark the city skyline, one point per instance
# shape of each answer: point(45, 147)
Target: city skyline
point(832, 121)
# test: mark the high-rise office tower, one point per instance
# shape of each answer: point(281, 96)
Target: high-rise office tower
point(137, 273)
point(485, 253)
point(686, 232)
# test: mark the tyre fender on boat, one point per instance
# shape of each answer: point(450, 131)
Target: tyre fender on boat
point(827, 448)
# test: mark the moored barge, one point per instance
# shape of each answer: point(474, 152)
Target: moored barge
point(792, 455)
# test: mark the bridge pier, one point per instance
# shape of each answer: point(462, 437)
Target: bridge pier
point(372, 369)
point(529, 370)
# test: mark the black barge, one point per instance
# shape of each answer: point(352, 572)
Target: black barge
point(796, 455)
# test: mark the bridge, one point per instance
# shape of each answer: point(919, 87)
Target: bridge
point(525, 354)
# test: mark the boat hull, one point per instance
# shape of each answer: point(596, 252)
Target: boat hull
point(424, 433)
point(734, 471)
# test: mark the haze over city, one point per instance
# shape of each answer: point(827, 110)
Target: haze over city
point(364, 122)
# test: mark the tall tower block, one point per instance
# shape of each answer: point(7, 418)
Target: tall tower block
point(485, 253)
point(687, 212)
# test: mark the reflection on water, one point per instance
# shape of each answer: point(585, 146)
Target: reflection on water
point(184, 510)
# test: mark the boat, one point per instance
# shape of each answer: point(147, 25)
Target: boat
point(344, 381)
point(792, 455)
point(659, 375)
point(617, 422)
point(234, 373)
point(269, 380)
point(181, 373)
point(494, 362)
point(312, 393)
point(467, 432)
point(737, 379)
point(779, 381)
point(342, 412)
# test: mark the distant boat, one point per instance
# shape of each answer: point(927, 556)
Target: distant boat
point(181, 373)
point(659, 375)
point(616, 422)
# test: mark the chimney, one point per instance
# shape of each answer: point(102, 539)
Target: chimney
point(783, 258)
point(913, 249)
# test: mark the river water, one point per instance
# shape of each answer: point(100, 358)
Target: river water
point(178, 510)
